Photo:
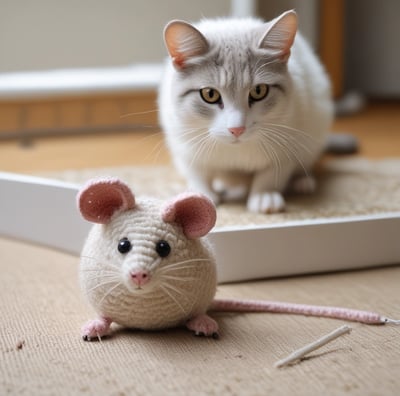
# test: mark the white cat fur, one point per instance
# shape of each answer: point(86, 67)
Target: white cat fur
point(285, 133)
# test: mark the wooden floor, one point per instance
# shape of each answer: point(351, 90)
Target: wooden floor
point(377, 127)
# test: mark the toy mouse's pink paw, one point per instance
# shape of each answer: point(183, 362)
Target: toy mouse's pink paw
point(95, 329)
point(203, 325)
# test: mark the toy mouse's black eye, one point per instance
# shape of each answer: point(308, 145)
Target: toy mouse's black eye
point(162, 248)
point(124, 245)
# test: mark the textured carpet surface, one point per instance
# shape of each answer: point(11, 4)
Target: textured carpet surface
point(42, 353)
point(345, 187)
point(42, 310)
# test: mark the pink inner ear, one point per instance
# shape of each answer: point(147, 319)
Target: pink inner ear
point(195, 213)
point(99, 199)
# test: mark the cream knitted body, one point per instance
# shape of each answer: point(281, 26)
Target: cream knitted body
point(181, 286)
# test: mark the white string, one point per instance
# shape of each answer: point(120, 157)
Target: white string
point(300, 353)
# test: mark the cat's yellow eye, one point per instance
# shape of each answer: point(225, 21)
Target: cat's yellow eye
point(258, 92)
point(210, 95)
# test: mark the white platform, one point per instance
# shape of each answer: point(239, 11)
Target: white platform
point(43, 211)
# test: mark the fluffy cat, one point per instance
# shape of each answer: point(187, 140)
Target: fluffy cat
point(246, 108)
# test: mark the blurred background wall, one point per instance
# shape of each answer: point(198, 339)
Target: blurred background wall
point(48, 34)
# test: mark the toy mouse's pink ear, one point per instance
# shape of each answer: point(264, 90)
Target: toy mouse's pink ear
point(195, 213)
point(99, 199)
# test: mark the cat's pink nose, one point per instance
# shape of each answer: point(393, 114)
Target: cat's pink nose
point(140, 278)
point(237, 131)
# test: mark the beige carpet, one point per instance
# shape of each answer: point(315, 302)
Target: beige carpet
point(42, 352)
point(42, 311)
point(345, 187)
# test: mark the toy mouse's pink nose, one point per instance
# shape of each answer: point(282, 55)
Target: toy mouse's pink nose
point(236, 131)
point(140, 278)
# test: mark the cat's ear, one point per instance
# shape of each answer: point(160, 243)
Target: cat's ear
point(280, 35)
point(184, 42)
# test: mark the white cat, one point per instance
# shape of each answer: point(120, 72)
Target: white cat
point(246, 108)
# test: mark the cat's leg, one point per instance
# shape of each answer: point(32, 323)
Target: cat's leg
point(266, 191)
point(200, 180)
point(231, 186)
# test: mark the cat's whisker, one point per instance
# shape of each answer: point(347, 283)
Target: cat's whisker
point(304, 134)
point(276, 141)
point(289, 139)
point(276, 161)
point(202, 141)
point(270, 137)
point(156, 151)
point(294, 143)
point(270, 151)
point(188, 128)
point(282, 140)
point(213, 147)
point(161, 148)
point(203, 145)
point(192, 134)
point(138, 113)
point(197, 137)
point(299, 138)
point(191, 131)
point(209, 146)
point(150, 136)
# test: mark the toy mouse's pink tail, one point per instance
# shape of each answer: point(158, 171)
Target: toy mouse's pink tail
point(353, 315)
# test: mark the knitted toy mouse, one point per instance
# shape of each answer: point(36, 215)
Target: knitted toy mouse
point(146, 265)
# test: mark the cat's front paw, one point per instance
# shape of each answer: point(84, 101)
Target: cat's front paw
point(95, 329)
point(229, 193)
point(203, 325)
point(266, 202)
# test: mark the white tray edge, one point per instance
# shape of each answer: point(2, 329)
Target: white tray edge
point(43, 211)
